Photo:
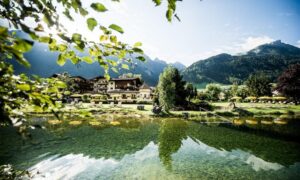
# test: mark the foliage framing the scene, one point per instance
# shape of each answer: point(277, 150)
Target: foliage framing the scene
point(18, 90)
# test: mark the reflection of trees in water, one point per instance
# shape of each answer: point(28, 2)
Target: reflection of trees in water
point(254, 141)
point(171, 133)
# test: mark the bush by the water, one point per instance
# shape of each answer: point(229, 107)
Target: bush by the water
point(200, 105)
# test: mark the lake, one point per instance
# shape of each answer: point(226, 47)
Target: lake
point(156, 148)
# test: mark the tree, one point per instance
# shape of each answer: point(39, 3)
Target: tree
point(234, 89)
point(190, 91)
point(166, 89)
point(45, 16)
point(242, 92)
point(180, 91)
point(171, 89)
point(213, 91)
point(289, 82)
point(258, 85)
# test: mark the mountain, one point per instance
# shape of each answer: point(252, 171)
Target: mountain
point(275, 48)
point(270, 58)
point(178, 65)
point(43, 63)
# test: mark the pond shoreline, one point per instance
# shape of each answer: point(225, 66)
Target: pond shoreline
point(221, 110)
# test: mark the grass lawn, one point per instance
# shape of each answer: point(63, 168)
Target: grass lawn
point(262, 108)
point(221, 108)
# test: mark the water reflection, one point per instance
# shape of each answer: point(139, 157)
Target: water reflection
point(191, 160)
point(156, 148)
point(171, 133)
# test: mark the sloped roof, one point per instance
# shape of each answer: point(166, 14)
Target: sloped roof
point(97, 78)
point(145, 86)
point(124, 79)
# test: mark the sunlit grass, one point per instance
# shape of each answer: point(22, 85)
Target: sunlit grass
point(115, 123)
point(75, 123)
point(54, 122)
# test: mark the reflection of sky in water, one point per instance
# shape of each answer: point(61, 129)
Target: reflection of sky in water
point(193, 159)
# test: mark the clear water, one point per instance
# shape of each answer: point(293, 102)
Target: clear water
point(141, 148)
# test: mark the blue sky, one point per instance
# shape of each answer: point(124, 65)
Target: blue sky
point(207, 27)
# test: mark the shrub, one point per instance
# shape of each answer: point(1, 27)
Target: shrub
point(236, 99)
point(86, 98)
point(200, 105)
point(265, 98)
point(279, 98)
point(144, 102)
point(251, 98)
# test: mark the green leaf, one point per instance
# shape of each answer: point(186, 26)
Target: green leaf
point(92, 23)
point(138, 50)
point(20, 58)
point(122, 54)
point(23, 87)
point(103, 64)
point(157, 2)
point(47, 19)
point(113, 39)
point(112, 62)
point(60, 84)
point(62, 47)
point(69, 54)
point(3, 31)
point(107, 76)
point(75, 4)
point(103, 38)
point(80, 47)
point(75, 59)
point(169, 14)
point(22, 45)
point(64, 37)
point(116, 28)
point(114, 70)
point(61, 60)
point(98, 7)
point(141, 58)
point(33, 36)
point(68, 15)
point(76, 37)
point(83, 12)
point(125, 66)
point(44, 39)
point(137, 44)
point(88, 59)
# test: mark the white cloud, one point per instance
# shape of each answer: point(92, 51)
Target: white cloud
point(234, 48)
point(298, 44)
point(252, 42)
